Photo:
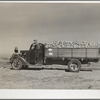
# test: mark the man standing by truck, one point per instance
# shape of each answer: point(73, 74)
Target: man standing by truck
point(34, 52)
point(33, 44)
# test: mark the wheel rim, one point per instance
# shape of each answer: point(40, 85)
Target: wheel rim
point(74, 66)
point(16, 64)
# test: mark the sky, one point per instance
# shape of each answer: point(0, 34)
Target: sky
point(21, 23)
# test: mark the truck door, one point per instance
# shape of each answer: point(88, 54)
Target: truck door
point(39, 53)
point(31, 56)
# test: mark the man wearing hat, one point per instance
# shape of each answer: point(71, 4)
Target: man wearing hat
point(33, 44)
point(34, 52)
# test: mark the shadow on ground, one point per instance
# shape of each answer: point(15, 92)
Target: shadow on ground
point(66, 70)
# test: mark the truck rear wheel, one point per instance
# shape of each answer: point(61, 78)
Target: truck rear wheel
point(74, 65)
point(16, 64)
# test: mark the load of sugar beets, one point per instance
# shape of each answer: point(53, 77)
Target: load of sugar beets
point(68, 44)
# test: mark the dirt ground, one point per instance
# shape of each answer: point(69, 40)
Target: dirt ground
point(49, 77)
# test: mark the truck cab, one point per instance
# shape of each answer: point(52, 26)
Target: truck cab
point(25, 58)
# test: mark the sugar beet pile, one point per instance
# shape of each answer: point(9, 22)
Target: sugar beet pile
point(67, 44)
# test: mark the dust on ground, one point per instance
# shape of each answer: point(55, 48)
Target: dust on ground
point(48, 77)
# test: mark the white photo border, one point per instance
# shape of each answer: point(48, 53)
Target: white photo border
point(46, 93)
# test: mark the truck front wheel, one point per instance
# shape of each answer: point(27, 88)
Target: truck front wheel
point(16, 64)
point(74, 65)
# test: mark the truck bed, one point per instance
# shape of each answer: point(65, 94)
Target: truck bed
point(72, 52)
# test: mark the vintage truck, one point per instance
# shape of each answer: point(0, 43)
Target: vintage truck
point(71, 57)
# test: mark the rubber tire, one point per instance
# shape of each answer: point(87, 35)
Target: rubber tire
point(74, 61)
point(17, 67)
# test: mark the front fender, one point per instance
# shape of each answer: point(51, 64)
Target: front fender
point(24, 62)
point(14, 56)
